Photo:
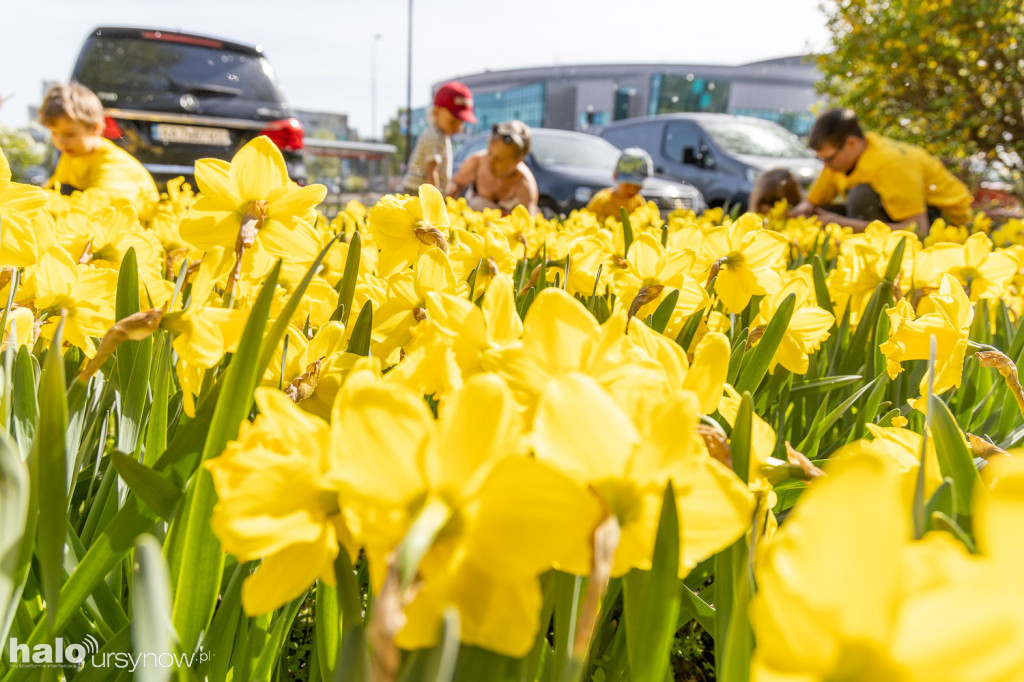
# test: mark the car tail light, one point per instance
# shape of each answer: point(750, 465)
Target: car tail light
point(285, 133)
point(111, 130)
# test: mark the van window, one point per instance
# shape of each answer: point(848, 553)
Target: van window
point(678, 136)
point(756, 139)
point(647, 136)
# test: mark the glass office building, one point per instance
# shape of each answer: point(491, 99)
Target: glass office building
point(584, 96)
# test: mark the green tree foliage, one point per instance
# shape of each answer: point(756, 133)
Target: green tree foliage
point(945, 74)
point(22, 152)
point(395, 134)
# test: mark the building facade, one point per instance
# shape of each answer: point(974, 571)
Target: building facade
point(580, 97)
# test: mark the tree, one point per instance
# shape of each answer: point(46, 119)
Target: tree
point(947, 75)
point(394, 134)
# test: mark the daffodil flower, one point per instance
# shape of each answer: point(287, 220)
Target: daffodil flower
point(278, 501)
point(983, 273)
point(945, 315)
point(251, 203)
point(846, 596)
point(594, 465)
point(744, 259)
point(405, 227)
point(397, 462)
point(808, 328)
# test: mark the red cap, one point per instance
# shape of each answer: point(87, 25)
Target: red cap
point(457, 99)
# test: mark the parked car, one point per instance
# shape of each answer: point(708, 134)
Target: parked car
point(719, 154)
point(571, 167)
point(171, 98)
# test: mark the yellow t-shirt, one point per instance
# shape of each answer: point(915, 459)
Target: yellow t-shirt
point(907, 178)
point(111, 170)
point(604, 204)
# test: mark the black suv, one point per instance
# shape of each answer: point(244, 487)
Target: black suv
point(171, 98)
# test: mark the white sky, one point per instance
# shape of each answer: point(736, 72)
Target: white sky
point(322, 50)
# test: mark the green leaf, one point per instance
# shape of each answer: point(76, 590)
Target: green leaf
point(152, 632)
point(942, 500)
point(134, 393)
point(740, 442)
point(194, 554)
point(49, 475)
point(438, 663)
point(812, 386)
point(127, 303)
point(160, 381)
point(698, 609)
point(955, 459)
point(15, 527)
point(221, 640)
point(419, 538)
point(154, 490)
point(651, 600)
point(347, 285)
point(822, 424)
point(25, 408)
point(627, 231)
point(359, 340)
point(820, 286)
point(354, 659)
point(756, 362)
point(690, 328)
point(527, 300)
point(327, 626)
point(664, 311)
point(271, 651)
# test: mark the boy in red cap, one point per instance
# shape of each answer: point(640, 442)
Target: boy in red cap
point(431, 160)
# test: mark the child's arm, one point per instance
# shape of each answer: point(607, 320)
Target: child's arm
point(463, 177)
point(526, 191)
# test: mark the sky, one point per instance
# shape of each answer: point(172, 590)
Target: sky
point(328, 57)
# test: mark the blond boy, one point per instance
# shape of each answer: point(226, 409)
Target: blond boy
point(632, 168)
point(74, 116)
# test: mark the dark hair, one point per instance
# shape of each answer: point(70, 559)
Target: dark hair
point(833, 127)
point(772, 186)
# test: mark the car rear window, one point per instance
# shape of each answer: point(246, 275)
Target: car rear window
point(118, 68)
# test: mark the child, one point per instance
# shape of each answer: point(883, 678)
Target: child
point(89, 161)
point(431, 160)
point(498, 177)
point(771, 187)
point(632, 168)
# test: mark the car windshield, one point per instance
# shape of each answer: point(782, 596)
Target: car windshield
point(574, 150)
point(755, 139)
point(118, 68)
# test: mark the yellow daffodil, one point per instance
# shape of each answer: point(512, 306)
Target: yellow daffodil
point(653, 274)
point(278, 501)
point(807, 330)
point(422, 465)
point(405, 227)
point(744, 258)
point(983, 273)
point(253, 192)
point(405, 304)
point(594, 465)
point(26, 230)
point(945, 315)
point(86, 293)
point(846, 596)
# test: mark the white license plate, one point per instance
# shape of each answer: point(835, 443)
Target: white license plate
point(166, 132)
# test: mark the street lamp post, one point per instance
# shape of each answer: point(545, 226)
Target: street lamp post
point(373, 86)
point(408, 94)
